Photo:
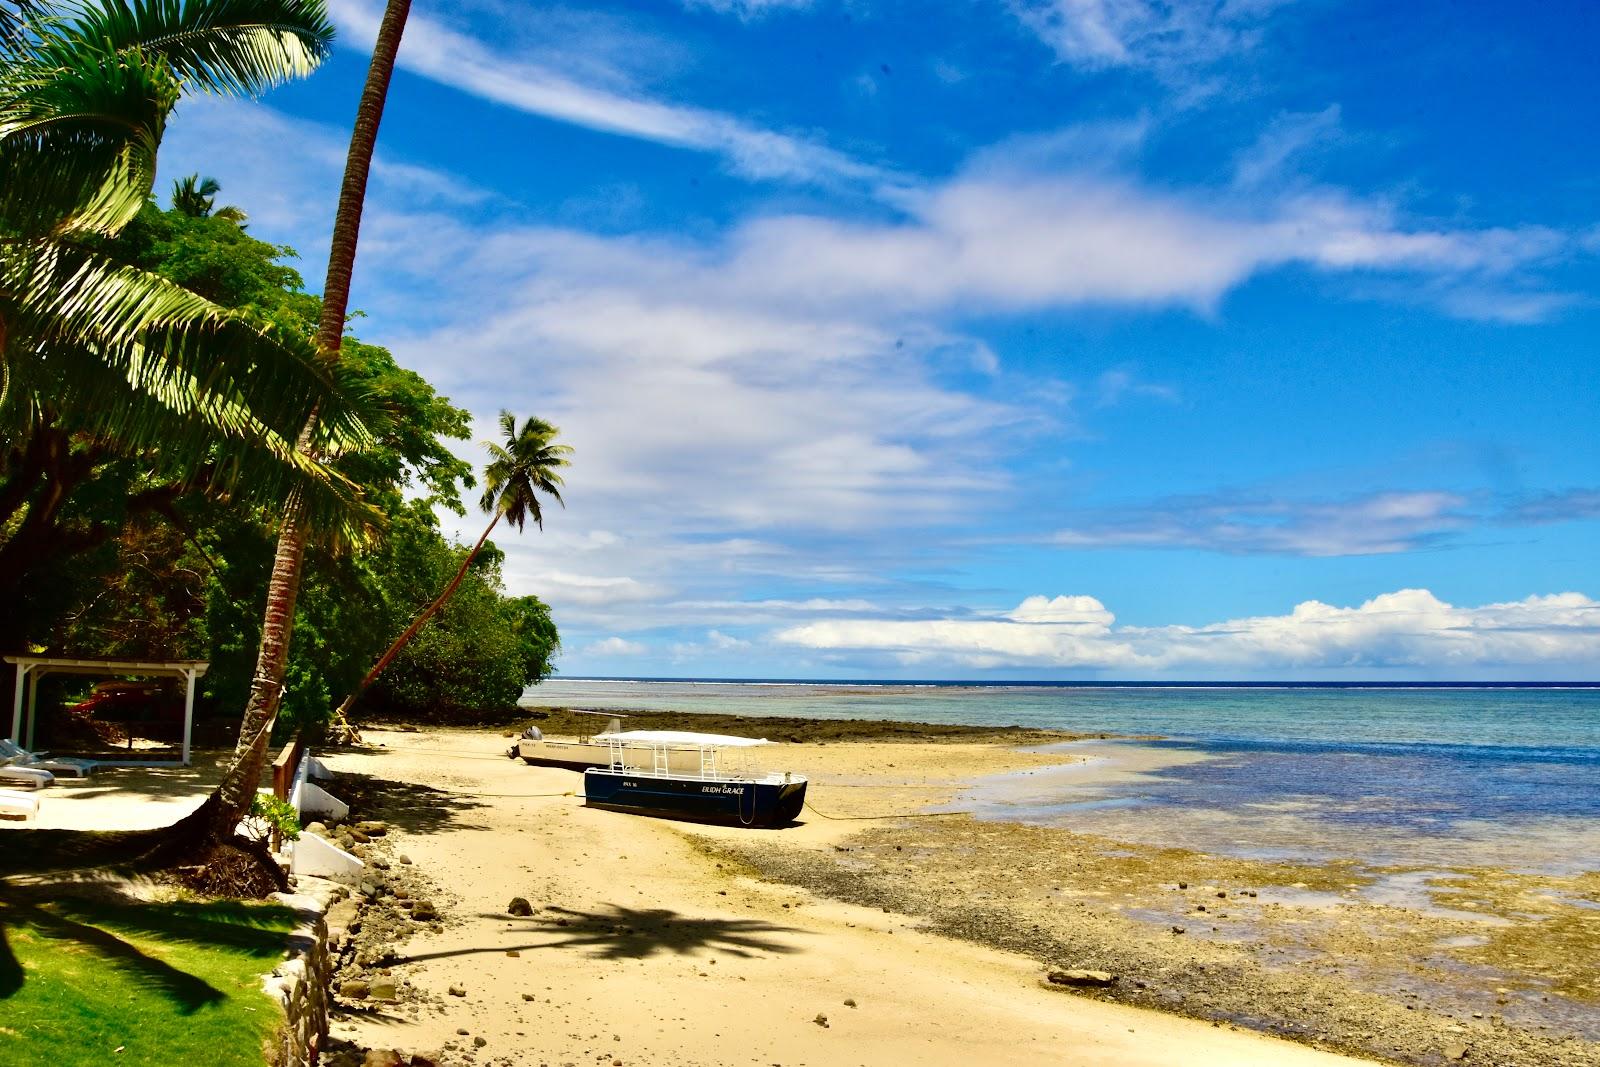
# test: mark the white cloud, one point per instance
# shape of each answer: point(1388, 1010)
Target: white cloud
point(1410, 629)
point(1373, 524)
point(453, 58)
point(1288, 136)
point(615, 646)
point(749, 9)
point(1166, 36)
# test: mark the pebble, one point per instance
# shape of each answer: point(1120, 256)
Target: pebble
point(821, 1020)
point(457, 991)
point(519, 906)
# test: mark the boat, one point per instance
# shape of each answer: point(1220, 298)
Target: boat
point(644, 776)
point(589, 750)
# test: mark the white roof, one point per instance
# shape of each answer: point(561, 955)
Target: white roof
point(681, 737)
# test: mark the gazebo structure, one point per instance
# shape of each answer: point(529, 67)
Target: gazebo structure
point(31, 668)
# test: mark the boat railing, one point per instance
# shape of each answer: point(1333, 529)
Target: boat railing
point(707, 762)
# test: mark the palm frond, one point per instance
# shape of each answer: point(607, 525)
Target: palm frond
point(156, 334)
point(217, 46)
point(524, 467)
point(79, 131)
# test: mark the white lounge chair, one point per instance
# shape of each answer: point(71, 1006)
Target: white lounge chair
point(17, 805)
point(14, 755)
point(25, 777)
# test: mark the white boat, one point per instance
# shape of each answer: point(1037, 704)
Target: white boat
point(588, 750)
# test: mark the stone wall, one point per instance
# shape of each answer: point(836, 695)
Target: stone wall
point(300, 983)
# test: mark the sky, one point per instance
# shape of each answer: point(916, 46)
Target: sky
point(1093, 339)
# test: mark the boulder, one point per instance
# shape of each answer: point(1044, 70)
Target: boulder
point(384, 1057)
point(386, 989)
point(354, 989)
point(423, 911)
point(519, 906)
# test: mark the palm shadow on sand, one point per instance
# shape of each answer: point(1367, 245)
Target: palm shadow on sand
point(614, 932)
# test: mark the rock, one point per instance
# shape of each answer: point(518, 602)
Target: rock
point(457, 991)
point(426, 1059)
point(479, 1042)
point(513, 953)
point(353, 989)
point(422, 911)
point(519, 906)
point(380, 863)
point(405, 860)
point(1456, 1051)
point(1183, 885)
point(849, 1002)
point(528, 996)
point(463, 1031)
point(320, 829)
point(373, 827)
point(1177, 929)
point(384, 1057)
point(385, 989)
point(821, 1020)
point(1081, 978)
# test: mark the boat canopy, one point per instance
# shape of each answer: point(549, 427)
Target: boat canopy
point(681, 737)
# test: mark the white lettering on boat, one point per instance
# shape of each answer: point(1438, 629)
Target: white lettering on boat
point(736, 790)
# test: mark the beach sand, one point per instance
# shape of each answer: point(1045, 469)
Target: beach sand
point(647, 947)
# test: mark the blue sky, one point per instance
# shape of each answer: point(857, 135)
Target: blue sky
point(1012, 338)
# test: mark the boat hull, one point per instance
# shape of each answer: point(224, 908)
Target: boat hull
point(581, 755)
point(734, 802)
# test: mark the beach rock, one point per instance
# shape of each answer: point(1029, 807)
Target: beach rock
point(528, 996)
point(373, 828)
point(320, 829)
point(480, 1042)
point(385, 989)
point(423, 911)
point(354, 989)
point(384, 1057)
point(1456, 1051)
point(821, 1020)
point(1081, 978)
point(849, 1002)
point(426, 1059)
point(457, 991)
point(519, 906)
point(1177, 929)
point(406, 860)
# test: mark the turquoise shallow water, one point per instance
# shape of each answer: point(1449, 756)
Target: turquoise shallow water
point(1436, 776)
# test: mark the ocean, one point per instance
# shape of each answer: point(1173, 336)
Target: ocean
point(1405, 776)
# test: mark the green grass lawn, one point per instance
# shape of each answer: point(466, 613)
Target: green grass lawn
point(85, 980)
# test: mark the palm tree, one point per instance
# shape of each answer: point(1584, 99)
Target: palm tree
point(233, 795)
point(85, 93)
point(525, 466)
point(196, 197)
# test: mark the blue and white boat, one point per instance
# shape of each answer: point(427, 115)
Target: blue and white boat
point(710, 778)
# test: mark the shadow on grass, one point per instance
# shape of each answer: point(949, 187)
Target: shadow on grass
point(103, 925)
point(619, 933)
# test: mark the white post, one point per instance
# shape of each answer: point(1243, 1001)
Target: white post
point(33, 705)
point(188, 714)
point(16, 705)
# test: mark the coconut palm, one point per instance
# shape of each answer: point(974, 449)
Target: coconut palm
point(196, 197)
point(85, 93)
point(233, 795)
point(525, 466)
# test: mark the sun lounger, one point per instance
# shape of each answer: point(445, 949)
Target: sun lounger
point(17, 805)
point(24, 777)
point(14, 755)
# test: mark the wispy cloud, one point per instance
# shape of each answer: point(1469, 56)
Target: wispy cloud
point(1374, 524)
point(1410, 628)
point(615, 646)
point(1171, 38)
point(749, 9)
point(463, 62)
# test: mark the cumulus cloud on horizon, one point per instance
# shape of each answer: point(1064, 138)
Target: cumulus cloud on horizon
point(1409, 628)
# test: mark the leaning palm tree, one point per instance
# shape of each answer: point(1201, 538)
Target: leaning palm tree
point(234, 794)
point(196, 197)
point(526, 465)
point(85, 93)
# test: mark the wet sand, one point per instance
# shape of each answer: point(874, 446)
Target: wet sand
point(657, 942)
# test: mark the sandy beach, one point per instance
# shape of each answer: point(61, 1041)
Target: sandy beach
point(645, 946)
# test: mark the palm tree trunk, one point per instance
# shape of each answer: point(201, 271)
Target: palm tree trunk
point(233, 796)
point(417, 623)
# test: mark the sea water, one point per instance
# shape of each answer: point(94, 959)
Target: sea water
point(1411, 775)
